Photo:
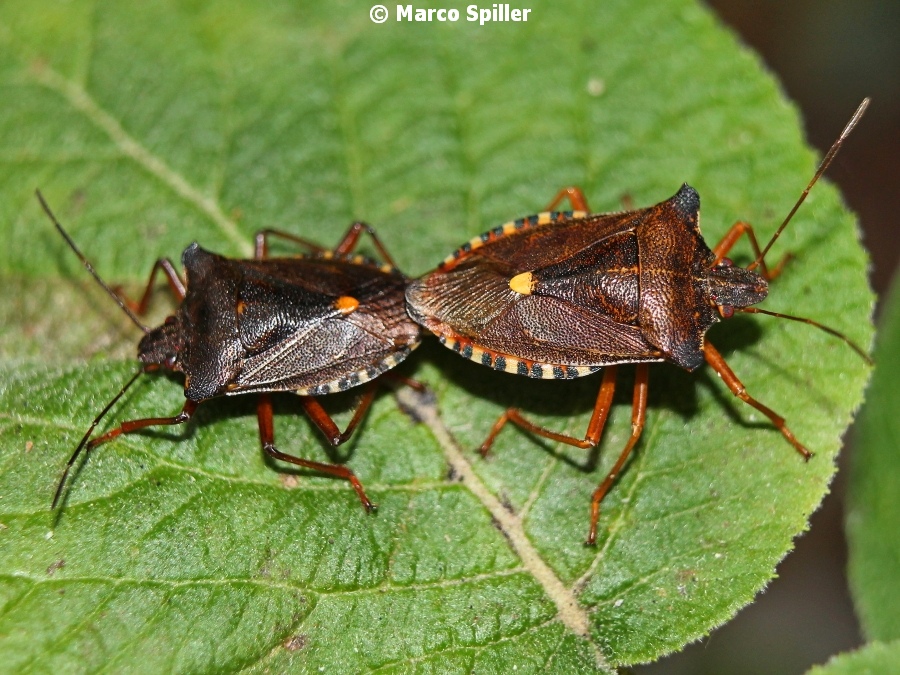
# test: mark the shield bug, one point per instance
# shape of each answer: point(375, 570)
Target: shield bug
point(314, 324)
point(564, 294)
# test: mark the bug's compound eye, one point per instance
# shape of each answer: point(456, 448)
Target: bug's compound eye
point(727, 311)
point(726, 262)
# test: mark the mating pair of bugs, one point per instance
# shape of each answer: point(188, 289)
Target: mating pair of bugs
point(556, 295)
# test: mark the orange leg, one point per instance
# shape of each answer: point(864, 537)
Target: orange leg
point(261, 239)
point(591, 436)
point(638, 415)
point(125, 428)
point(130, 426)
point(176, 285)
point(344, 247)
point(322, 420)
point(348, 243)
point(731, 237)
point(714, 359)
point(326, 425)
point(402, 379)
point(579, 201)
point(574, 195)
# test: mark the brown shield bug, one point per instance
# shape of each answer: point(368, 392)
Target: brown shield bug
point(563, 294)
point(314, 324)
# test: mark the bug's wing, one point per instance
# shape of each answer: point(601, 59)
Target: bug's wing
point(554, 331)
point(298, 333)
point(475, 303)
point(322, 351)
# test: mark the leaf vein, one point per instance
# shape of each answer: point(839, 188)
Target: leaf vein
point(569, 611)
point(475, 649)
point(80, 100)
point(71, 632)
point(262, 583)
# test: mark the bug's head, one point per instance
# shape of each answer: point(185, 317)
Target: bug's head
point(732, 287)
point(160, 347)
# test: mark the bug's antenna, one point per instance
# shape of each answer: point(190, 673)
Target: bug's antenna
point(831, 331)
point(87, 435)
point(90, 268)
point(822, 166)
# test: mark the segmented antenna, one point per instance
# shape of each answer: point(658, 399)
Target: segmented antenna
point(831, 331)
point(822, 166)
point(87, 435)
point(819, 171)
point(90, 268)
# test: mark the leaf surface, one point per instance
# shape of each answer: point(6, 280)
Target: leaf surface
point(874, 501)
point(874, 658)
point(149, 125)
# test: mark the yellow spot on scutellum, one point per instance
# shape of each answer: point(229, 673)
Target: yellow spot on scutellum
point(523, 283)
point(346, 304)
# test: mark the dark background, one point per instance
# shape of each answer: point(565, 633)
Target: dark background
point(829, 55)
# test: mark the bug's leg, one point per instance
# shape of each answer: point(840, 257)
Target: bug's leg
point(326, 425)
point(731, 237)
point(402, 379)
point(714, 359)
point(176, 285)
point(267, 438)
point(130, 426)
point(351, 238)
point(594, 429)
point(638, 415)
point(344, 247)
point(127, 427)
point(261, 239)
point(574, 195)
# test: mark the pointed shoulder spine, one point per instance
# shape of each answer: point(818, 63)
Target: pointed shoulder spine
point(686, 201)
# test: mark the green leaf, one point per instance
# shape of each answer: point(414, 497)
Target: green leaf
point(876, 658)
point(874, 502)
point(148, 125)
